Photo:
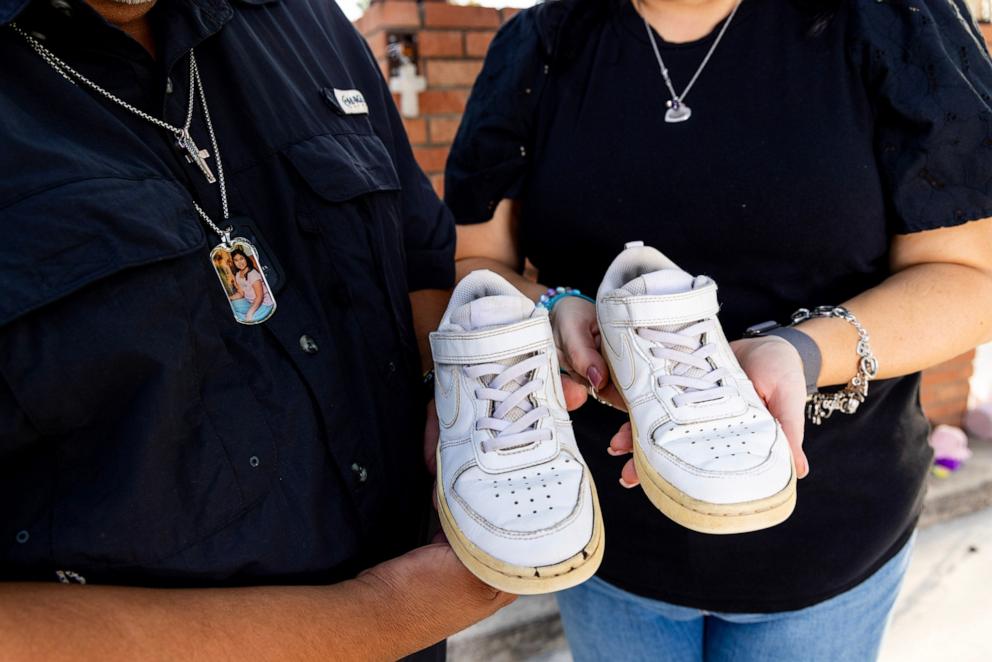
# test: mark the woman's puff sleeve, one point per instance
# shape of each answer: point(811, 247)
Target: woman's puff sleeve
point(929, 77)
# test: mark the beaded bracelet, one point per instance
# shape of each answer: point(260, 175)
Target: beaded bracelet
point(556, 294)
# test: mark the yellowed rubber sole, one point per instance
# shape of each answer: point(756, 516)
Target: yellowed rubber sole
point(524, 580)
point(718, 518)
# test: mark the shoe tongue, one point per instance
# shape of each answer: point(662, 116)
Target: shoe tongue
point(665, 281)
point(491, 311)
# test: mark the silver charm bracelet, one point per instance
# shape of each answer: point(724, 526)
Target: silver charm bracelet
point(820, 406)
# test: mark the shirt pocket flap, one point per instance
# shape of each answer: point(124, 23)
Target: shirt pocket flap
point(343, 167)
point(61, 240)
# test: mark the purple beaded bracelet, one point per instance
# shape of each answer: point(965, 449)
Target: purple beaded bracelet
point(556, 294)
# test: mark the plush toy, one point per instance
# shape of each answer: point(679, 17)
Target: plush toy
point(950, 449)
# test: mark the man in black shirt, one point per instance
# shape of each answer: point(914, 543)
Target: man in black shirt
point(147, 439)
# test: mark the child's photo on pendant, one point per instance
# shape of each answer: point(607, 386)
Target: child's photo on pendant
point(244, 282)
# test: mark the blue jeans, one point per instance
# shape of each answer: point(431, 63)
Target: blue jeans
point(603, 622)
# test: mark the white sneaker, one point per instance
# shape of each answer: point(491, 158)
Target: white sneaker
point(707, 452)
point(515, 499)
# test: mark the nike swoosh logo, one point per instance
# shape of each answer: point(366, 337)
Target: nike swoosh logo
point(447, 400)
point(622, 361)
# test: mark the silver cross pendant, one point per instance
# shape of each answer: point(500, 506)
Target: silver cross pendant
point(195, 155)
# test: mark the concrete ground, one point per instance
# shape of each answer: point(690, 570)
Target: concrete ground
point(944, 611)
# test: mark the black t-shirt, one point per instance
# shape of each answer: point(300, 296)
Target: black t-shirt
point(806, 152)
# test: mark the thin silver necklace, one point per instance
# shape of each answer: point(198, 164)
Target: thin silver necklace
point(678, 111)
point(191, 151)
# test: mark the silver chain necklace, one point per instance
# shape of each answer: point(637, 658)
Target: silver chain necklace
point(678, 111)
point(196, 156)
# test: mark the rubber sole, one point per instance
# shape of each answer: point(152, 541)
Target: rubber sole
point(717, 518)
point(524, 580)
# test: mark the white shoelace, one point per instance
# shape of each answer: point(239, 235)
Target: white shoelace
point(686, 351)
point(508, 433)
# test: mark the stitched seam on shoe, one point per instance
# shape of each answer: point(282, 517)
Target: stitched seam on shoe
point(455, 442)
point(764, 467)
point(517, 535)
point(478, 358)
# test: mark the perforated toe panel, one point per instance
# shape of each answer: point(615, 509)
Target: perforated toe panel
point(731, 445)
point(533, 499)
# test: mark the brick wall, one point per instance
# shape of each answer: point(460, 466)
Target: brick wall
point(945, 389)
point(451, 42)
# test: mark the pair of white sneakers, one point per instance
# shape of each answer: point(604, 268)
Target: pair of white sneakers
point(515, 498)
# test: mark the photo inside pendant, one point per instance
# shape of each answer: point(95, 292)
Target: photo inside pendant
point(241, 275)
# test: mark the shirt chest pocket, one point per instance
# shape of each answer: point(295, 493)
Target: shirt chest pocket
point(350, 202)
point(108, 342)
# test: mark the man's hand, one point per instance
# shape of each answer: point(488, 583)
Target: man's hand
point(391, 610)
point(433, 590)
point(776, 370)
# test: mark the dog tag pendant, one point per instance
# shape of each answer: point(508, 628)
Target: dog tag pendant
point(242, 276)
point(677, 112)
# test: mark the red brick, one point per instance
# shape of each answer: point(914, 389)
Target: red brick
point(946, 414)
point(416, 130)
point(953, 393)
point(434, 43)
point(431, 159)
point(938, 377)
point(477, 43)
point(443, 101)
point(389, 14)
point(944, 389)
point(378, 42)
point(446, 73)
point(443, 129)
point(509, 12)
point(437, 181)
point(453, 16)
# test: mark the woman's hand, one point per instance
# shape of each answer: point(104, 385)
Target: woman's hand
point(776, 370)
point(576, 333)
point(774, 367)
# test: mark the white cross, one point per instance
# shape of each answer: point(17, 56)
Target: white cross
point(409, 86)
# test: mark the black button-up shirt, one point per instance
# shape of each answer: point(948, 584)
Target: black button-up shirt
point(145, 436)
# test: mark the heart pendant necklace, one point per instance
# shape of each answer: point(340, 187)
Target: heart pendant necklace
point(677, 110)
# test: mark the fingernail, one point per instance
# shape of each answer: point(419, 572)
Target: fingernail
point(625, 484)
point(594, 376)
point(614, 452)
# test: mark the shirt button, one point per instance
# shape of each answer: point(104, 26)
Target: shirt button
point(253, 461)
point(168, 85)
point(308, 345)
point(23, 537)
point(360, 471)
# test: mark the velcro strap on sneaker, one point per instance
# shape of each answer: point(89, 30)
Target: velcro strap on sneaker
point(489, 345)
point(660, 309)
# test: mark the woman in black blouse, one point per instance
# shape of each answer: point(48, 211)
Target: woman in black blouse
point(837, 153)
